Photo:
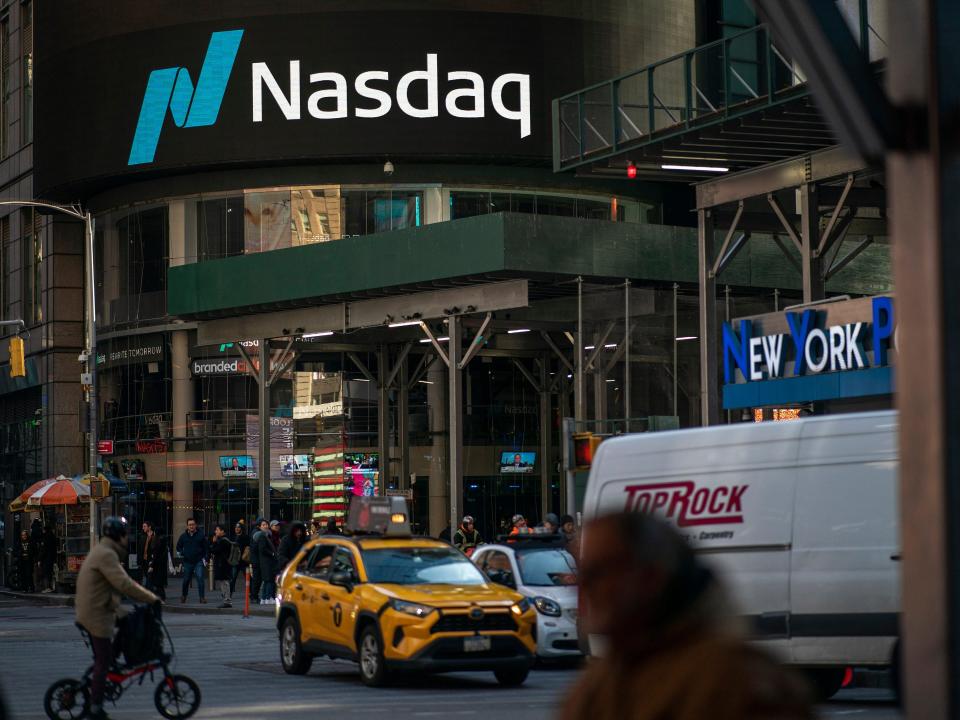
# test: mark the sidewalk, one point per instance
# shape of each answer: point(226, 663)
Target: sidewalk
point(171, 604)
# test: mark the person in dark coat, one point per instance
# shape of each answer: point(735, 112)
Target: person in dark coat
point(267, 561)
point(332, 528)
point(36, 543)
point(220, 549)
point(242, 540)
point(290, 545)
point(23, 559)
point(49, 558)
point(256, 579)
point(155, 560)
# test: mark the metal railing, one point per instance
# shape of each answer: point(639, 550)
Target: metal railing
point(708, 84)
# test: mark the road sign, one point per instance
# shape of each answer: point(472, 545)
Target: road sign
point(105, 447)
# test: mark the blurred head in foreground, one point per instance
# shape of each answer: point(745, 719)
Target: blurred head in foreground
point(671, 645)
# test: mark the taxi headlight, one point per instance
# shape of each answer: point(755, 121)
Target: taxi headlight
point(546, 606)
point(521, 607)
point(409, 608)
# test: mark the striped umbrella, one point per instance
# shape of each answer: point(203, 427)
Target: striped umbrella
point(62, 492)
point(21, 501)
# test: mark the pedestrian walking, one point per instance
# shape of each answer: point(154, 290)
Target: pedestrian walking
point(290, 545)
point(23, 562)
point(155, 560)
point(266, 550)
point(100, 585)
point(332, 528)
point(673, 650)
point(220, 551)
point(242, 541)
point(49, 558)
point(466, 538)
point(192, 548)
point(256, 579)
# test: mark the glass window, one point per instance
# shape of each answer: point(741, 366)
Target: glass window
point(219, 228)
point(321, 561)
point(318, 215)
point(374, 211)
point(142, 240)
point(267, 221)
point(343, 562)
point(420, 565)
point(32, 257)
point(4, 83)
point(547, 567)
point(26, 39)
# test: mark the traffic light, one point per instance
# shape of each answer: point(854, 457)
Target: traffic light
point(584, 446)
point(17, 366)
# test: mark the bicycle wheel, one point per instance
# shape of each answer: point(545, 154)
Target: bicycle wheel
point(67, 699)
point(177, 697)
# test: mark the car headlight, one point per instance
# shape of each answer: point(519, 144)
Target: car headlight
point(546, 606)
point(409, 608)
point(521, 607)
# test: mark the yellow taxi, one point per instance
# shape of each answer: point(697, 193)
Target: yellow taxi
point(396, 603)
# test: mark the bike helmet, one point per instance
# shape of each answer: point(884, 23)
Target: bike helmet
point(114, 528)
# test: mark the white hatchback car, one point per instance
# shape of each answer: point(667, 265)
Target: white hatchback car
point(539, 567)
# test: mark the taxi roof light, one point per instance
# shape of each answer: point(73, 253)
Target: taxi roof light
point(386, 516)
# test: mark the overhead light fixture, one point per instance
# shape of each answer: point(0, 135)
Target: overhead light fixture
point(362, 379)
point(518, 331)
point(696, 168)
point(406, 323)
point(426, 382)
point(439, 339)
point(608, 380)
point(326, 333)
point(686, 337)
point(610, 346)
point(589, 347)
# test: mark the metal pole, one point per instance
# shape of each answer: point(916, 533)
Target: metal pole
point(383, 417)
point(675, 286)
point(89, 224)
point(579, 399)
point(626, 353)
point(263, 412)
point(709, 347)
point(545, 464)
point(455, 423)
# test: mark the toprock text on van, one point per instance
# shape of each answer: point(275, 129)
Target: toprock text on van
point(811, 348)
point(688, 505)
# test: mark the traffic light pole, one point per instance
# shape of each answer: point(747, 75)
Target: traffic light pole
point(90, 353)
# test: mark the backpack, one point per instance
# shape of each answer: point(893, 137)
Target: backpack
point(140, 637)
point(234, 558)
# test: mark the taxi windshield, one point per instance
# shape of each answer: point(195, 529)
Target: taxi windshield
point(547, 566)
point(420, 565)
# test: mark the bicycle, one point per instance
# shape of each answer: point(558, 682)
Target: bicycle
point(176, 697)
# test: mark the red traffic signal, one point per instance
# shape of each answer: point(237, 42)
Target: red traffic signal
point(584, 447)
point(631, 171)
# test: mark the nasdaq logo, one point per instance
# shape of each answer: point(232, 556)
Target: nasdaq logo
point(189, 105)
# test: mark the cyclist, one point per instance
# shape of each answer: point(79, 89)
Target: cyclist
point(101, 583)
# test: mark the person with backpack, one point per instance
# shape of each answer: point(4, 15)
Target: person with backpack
point(295, 539)
point(242, 542)
point(225, 556)
point(101, 584)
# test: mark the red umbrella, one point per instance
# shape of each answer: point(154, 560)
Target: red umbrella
point(18, 504)
point(62, 492)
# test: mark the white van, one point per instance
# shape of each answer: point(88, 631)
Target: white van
point(798, 517)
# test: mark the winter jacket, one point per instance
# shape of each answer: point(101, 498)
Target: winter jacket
point(466, 540)
point(220, 552)
point(100, 586)
point(266, 552)
point(155, 560)
point(192, 548)
point(290, 545)
point(243, 542)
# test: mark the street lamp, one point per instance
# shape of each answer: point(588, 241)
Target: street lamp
point(90, 376)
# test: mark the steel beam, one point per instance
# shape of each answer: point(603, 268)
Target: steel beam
point(709, 350)
point(455, 421)
point(831, 223)
point(715, 267)
point(403, 423)
point(545, 417)
point(786, 224)
point(383, 416)
point(812, 264)
point(478, 342)
point(263, 417)
point(816, 167)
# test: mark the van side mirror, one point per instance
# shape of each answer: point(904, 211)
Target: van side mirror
point(342, 579)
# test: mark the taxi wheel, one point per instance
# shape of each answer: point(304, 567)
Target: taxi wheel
point(373, 670)
point(295, 660)
point(511, 678)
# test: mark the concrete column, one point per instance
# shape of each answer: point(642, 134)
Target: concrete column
point(709, 347)
point(455, 422)
point(403, 424)
point(813, 283)
point(437, 402)
point(181, 404)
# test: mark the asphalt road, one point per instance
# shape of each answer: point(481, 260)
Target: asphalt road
point(236, 664)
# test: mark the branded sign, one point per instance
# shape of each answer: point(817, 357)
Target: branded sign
point(834, 351)
point(221, 366)
point(167, 91)
point(105, 447)
point(131, 350)
point(688, 505)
